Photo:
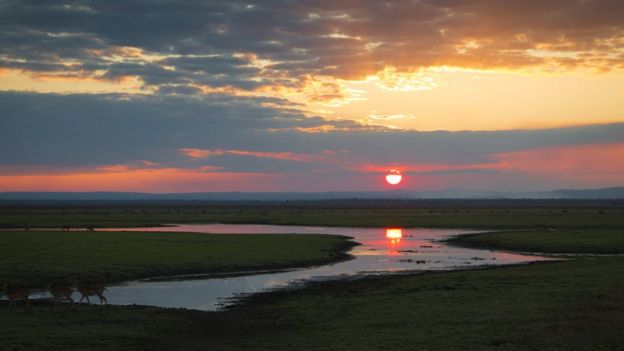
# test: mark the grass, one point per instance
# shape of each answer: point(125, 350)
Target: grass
point(35, 258)
point(575, 305)
point(432, 217)
point(586, 241)
point(572, 305)
point(89, 327)
point(569, 305)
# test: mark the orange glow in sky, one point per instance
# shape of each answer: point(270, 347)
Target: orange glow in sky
point(312, 96)
point(584, 164)
point(461, 99)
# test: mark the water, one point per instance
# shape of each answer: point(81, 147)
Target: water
point(383, 250)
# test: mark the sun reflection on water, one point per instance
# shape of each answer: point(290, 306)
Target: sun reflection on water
point(395, 235)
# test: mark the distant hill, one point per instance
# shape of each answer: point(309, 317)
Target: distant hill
point(605, 193)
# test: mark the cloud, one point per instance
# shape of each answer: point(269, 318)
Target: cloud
point(233, 87)
point(580, 160)
point(278, 43)
point(151, 180)
point(282, 155)
point(200, 153)
point(46, 134)
point(112, 128)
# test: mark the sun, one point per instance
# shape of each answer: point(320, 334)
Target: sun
point(394, 177)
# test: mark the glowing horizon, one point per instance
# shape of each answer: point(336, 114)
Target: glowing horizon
point(312, 97)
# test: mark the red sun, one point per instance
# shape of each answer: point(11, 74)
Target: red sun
point(394, 177)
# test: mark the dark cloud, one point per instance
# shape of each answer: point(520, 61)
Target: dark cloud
point(92, 130)
point(178, 89)
point(184, 49)
point(103, 129)
point(334, 38)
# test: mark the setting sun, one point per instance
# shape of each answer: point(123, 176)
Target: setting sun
point(394, 177)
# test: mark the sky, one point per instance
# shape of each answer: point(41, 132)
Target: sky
point(276, 95)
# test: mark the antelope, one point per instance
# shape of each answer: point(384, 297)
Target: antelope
point(14, 294)
point(92, 290)
point(60, 293)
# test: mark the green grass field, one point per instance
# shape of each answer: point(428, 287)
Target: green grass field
point(574, 305)
point(569, 305)
point(432, 217)
point(569, 240)
point(35, 258)
point(90, 327)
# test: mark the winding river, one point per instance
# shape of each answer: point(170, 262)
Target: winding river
point(382, 251)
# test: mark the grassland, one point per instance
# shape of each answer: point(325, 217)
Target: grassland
point(480, 215)
point(570, 305)
point(34, 258)
point(573, 305)
point(89, 327)
point(568, 240)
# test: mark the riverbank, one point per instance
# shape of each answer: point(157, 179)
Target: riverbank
point(566, 305)
point(572, 305)
point(562, 241)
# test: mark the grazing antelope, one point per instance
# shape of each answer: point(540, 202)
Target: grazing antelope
point(92, 290)
point(14, 294)
point(60, 293)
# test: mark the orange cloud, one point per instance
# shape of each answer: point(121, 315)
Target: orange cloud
point(575, 160)
point(67, 82)
point(205, 153)
point(275, 155)
point(114, 168)
point(571, 165)
point(150, 180)
point(422, 168)
point(200, 153)
point(595, 161)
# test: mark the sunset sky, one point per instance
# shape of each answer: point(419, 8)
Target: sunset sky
point(181, 96)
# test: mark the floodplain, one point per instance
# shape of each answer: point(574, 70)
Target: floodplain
point(575, 303)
